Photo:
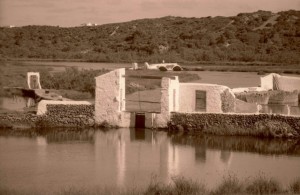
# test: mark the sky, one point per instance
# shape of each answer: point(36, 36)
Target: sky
point(75, 12)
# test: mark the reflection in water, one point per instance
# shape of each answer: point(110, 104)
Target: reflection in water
point(225, 156)
point(241, 144)
point(70, 136)
point(200, 152)
point(129, 157)
point(138, 134)
point(284, 109)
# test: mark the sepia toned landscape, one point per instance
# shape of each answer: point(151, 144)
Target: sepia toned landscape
point(154, 98)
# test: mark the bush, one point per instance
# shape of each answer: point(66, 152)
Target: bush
point(230, 185)
point(72, 79)
point(295, 186)
point(262, 185)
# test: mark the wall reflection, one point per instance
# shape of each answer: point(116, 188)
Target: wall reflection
point(70, 136)
point(131, 157)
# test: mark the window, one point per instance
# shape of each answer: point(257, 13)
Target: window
point(200, 104)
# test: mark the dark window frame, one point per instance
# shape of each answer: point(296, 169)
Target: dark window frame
point(200, 101)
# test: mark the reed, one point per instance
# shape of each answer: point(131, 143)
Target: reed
point(263, 185)
point(295, 186)
point(180, 185)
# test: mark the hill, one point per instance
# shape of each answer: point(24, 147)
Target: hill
point(259, 36)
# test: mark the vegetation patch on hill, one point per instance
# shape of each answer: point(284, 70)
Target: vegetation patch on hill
point(258, 36)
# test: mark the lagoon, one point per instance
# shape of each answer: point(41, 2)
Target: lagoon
point(58, 159)
point(121, 158)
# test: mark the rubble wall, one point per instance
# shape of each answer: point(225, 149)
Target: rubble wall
point(56, 116)
point(264, 125)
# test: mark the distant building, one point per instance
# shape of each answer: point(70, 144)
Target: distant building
point(89, 24)
point(9, 26)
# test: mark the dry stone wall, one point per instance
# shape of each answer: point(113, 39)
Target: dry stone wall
point(263, 125)
point(70, 115)
point(57, 116)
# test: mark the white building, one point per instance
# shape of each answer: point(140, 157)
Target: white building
point(175, 97)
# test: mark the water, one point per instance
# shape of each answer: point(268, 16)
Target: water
point(129, 157)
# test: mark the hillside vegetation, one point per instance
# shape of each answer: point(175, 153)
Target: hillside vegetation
point(259, 36)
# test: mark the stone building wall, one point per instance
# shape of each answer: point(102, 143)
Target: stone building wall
point(162, 119)
point(286, 83)
point(109, 99)
point(277, 82)
point(266, 82)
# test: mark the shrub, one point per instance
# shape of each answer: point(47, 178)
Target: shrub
point(72, 79)
point(262, 185)
point(230, 185)
point(295, 186)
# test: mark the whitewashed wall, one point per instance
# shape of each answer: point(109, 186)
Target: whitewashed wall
point(109, 98)
point(187, 97)
point(287, 83)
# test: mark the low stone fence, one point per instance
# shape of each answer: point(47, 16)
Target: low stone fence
point(56, 116)
point(263, 125)
point(69, 115)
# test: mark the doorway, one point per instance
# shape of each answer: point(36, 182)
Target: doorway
point(140, 120)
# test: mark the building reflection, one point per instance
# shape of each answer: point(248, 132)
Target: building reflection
point(70, 136)
point(200, 153)
point(126, 157)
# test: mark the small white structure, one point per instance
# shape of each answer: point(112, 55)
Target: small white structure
point(89, 24)
point(164, 67)
point(33, 80)
point(277, 82)
point(134, 66)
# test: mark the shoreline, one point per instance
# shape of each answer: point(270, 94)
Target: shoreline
point(195, 124)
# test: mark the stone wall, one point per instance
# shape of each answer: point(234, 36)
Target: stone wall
point(43, 105)
point(236, 124)
point(57, 116)
point(245, 107)
point(70, 115)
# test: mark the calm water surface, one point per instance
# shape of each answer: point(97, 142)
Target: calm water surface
point(129, 157)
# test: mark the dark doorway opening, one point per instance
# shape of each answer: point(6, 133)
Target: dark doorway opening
point(140, 120)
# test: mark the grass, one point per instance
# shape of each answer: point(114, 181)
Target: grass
point(261, 69)
point(263, 185)
point(295, 186)
point(73, 94)
point(181, 185)
point(229, 185)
